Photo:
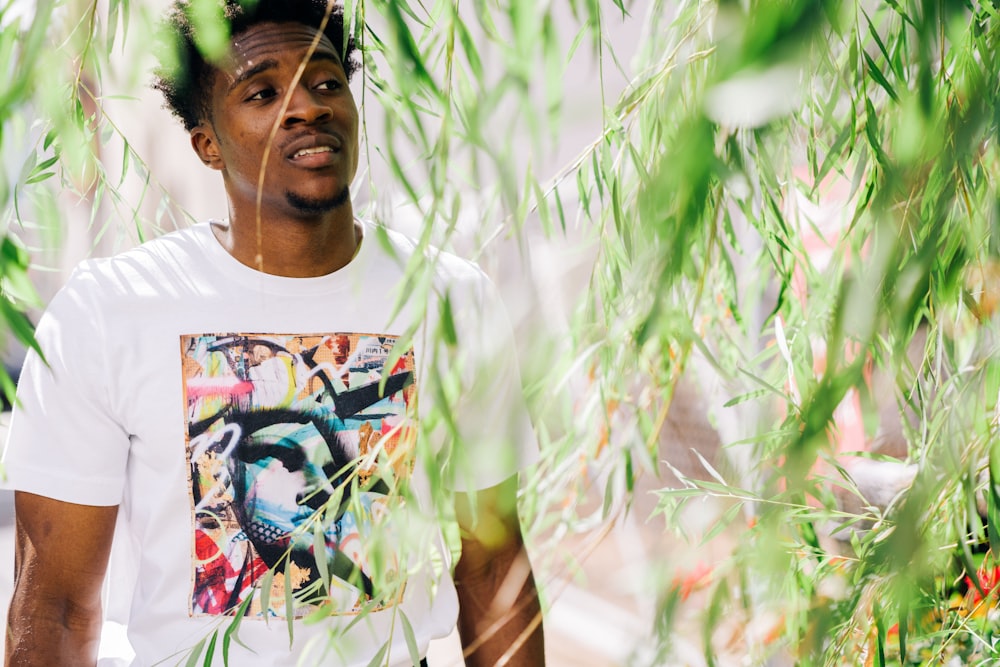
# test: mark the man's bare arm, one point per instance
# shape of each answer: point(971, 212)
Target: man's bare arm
point(500, 618)
point(60, 556)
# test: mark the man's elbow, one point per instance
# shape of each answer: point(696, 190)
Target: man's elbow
point(500, 619)
point(45, 629)
point(494, 570)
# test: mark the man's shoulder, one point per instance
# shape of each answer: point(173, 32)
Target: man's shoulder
point(145, 266)
point(167, 248)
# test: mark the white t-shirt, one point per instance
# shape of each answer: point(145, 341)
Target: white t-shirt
point(220, 406)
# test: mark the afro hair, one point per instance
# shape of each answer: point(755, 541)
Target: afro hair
point(185, 82)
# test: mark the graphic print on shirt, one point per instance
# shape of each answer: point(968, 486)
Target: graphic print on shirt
point(293, 442)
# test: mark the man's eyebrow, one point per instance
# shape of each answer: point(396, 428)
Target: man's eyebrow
point(250, 72)
point(271, 63)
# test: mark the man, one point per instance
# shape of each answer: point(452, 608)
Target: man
point(251, 417)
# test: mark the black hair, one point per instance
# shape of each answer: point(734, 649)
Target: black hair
point(185, 76)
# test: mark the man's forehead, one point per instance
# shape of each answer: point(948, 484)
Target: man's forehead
point(270, 40)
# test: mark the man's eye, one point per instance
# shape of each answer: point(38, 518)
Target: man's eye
point(263, 94)
point(330, 84)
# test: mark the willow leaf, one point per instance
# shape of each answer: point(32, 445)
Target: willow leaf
point(193, 657)
point(879, 77)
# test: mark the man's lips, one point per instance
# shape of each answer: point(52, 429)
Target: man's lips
point(313, 149)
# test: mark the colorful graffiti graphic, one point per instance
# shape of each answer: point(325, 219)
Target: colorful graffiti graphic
point(290, 441)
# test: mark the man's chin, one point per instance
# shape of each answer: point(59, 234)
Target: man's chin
point(312, 206)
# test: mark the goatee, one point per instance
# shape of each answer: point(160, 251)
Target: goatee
point(318, 205)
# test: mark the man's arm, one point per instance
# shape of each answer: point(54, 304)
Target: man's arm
point(500, 618)
point(60, 556)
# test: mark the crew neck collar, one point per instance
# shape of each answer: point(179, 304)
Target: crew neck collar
point(252, 278)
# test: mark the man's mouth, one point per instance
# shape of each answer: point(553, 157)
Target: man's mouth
point(312, 151)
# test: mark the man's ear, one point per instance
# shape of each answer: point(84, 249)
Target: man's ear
point(206, 145)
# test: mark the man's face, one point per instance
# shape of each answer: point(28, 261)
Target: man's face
point(314, 153)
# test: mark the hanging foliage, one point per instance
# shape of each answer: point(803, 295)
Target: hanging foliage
point(792, 205)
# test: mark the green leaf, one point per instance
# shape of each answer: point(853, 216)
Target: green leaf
point(991, 386)
point(723, 522)
point(411, 638)
point(19, 324)
point(872, 132)
point(629, 473)
point(624, 230)
point(28, 168)
point(126, 155)
point(112, 24)
point(879, 635)
point(713, 616)
point(742, 398)
point(559, 209)
point(211, 29)
point(880, 79)
point(470, 50)
point(833, 154)
point(609, 496)
point(17, 286)
point(577, 40)
point(267, 581)
point(38, 178)
point(808, 532)
point(583, 191)
point(289, 601)
point(379, 657)
point(195, 655)
point(406, 55)
point(232, 632)
point(7, 386)
point(447, 322)
point(680, 493)
point(993, 499)
point(965, 557)
point(543, 207)
point(903, 623)
point(319, 553)
point(210, 651)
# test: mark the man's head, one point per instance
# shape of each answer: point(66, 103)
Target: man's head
point(277, 107)
point(186, 86)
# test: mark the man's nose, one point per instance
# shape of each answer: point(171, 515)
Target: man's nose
point(305, 107)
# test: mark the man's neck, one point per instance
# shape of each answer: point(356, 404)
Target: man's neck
point(292, 247)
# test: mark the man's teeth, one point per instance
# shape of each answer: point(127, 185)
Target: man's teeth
point(313, 151)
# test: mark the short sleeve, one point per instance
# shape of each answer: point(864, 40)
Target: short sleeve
point(63, 441)
point(495, 435)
